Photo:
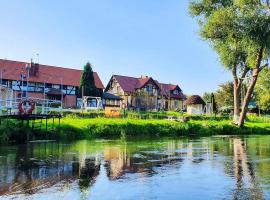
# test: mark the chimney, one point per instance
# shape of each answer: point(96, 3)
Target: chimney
point(144, 76)
point(34, 69)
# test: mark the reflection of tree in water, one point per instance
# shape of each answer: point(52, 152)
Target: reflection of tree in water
point(118, 161)
point(39, 166)
point(246, 184)
point(88, 173)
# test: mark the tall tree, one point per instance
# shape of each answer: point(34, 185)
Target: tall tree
point(87, 83)
point(214, 104)
point(239, 31)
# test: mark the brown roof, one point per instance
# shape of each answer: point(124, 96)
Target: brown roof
point(195, 99)
point(49, 74)
point(165, 90)
point(131, 84)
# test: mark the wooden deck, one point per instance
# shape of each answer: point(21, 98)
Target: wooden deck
point(30, 116)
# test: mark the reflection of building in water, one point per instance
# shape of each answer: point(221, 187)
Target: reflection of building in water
point(246, 184)
point(39, 166)
point(117, 160)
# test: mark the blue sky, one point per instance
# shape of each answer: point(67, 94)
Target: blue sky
point(132, 37)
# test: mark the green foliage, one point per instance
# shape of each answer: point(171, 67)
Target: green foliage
point(224, 95)
point(79, 128)
point(12, 130)
point(207, 97)
point(239, 31)
point(87, 81)
point(75, 127)
point(263, 90)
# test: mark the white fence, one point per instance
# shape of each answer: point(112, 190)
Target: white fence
point(42, 106)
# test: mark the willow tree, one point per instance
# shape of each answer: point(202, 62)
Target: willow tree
point(239, 31)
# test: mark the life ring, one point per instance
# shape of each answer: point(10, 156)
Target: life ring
point(21, 108)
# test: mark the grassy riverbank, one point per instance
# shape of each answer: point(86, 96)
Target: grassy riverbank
point(78, 128)
point(73, 128)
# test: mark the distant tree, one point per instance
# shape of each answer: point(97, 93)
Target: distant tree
point(207, 97)
point(263, 90)
point(87, 83)
point(239, 31)
point(214, 104)
point(224, 95)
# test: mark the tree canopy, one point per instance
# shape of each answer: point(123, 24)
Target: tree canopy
point(224, 95)
point(87, 82)
point(239, 31)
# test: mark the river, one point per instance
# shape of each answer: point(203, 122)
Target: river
point(168, 168)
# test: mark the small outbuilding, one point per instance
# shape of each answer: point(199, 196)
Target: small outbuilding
point(112, 104)
point(195, 105)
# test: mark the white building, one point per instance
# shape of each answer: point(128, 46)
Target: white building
point(195, 105)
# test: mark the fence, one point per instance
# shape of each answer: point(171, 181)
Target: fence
point(10, 106)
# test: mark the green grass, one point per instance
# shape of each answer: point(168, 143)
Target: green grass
point(78, 128)
point(74, 127)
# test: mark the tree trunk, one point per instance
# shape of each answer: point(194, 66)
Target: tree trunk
point(236, 102)
point(248, 97)
point(236, 95)
point(251, 87)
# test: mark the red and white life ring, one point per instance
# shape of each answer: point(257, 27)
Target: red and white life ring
point(23, 110)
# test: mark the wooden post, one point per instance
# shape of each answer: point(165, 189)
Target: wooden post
point(59, 121)
point(53, 123)
point(27, 132)
point(46, 124)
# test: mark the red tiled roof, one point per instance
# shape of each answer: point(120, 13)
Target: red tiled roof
point(130, 84)
point(48, 74)
point(165, 90)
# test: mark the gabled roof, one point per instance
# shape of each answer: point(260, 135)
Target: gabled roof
point(165, 90)
point(131, 84)
point(49, 74)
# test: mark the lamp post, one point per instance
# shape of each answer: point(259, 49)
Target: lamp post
point(124, 108)
point(27, 79)
point(61, 93)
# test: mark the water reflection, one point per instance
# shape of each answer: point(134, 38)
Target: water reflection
point(240, 166)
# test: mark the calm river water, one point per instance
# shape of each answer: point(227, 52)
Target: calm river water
point(201, 168)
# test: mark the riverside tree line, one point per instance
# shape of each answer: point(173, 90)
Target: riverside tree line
point(239, 31)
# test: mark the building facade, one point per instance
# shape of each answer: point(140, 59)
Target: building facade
point(44, 81)
point(145, 93)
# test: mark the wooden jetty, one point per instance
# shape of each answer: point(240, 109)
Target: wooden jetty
point(34, 121)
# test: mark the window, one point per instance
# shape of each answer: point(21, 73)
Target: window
point(16, 85)
point(175, 92)
point(71, 90)
point(4, 82)
point(56, 86)
point(39, 87)
point(48, 85)
point(149, 89)
point(92, 103)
